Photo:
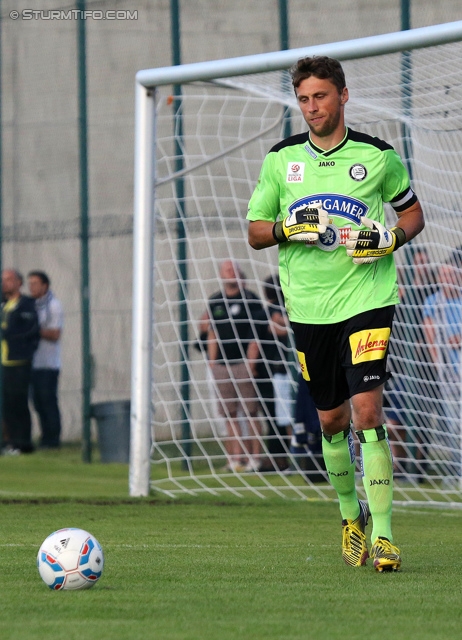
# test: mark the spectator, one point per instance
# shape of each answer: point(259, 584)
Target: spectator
point(443, 326)
point(232, 354)
point(20, 337)
point(272, 376)
point(306, 441)
point(46, 364)
point(414, 385)
point(416, 288)
point(395, 417)
point(201, 346)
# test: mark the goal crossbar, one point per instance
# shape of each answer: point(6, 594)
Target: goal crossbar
point(345, 50)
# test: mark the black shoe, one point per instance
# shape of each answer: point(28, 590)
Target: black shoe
point(27, 448)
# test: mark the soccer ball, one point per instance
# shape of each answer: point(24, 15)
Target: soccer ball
point(70, 559)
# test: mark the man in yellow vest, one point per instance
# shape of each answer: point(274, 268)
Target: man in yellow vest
point(20, 338)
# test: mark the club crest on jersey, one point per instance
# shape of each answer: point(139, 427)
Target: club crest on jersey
point(333, 237)
point(295, 171)
point(335, 204)
point(358, 172)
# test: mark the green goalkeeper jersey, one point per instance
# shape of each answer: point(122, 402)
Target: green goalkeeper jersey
point(321, 285)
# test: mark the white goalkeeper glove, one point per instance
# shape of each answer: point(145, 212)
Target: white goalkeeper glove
point(366, 246)
point(302, 226)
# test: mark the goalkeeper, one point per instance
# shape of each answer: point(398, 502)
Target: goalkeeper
point(320, 197)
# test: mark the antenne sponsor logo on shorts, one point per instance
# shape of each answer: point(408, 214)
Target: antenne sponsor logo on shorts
point(303, 369)
point(370, 344)
point(335, 204)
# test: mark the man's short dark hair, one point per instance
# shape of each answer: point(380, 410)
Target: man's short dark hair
point(41, 275)
point(321, 67)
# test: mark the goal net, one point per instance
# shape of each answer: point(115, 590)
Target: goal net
point(210, 140)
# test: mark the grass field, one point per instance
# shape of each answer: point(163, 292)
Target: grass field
point(214, 569)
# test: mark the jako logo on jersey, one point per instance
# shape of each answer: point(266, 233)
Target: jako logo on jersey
point(295, 171)
point(326, 163)
point(335, 204)
point(370, 344)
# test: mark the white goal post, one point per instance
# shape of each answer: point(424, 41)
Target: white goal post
point(244, 96)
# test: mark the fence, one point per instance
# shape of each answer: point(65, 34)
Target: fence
point(41, 120)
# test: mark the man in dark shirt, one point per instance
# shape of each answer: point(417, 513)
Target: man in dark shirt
point(232, 354)
point(20, 338)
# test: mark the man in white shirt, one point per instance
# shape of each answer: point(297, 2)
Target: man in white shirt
point(46, 364)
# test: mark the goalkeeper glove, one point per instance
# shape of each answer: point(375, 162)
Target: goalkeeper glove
point(369, 245)
point(302, 226)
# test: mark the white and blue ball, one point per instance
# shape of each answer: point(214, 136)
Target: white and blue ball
point(70, 559)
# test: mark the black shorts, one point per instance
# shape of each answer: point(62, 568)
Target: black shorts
point(342, 359)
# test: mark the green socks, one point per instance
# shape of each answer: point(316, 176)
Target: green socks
point(377, 469)
point(339, 457)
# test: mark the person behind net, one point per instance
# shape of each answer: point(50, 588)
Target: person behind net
point(306, 440)
point(442, 316)
point(320, 197)
point(232, 356)
point(411, 395)
point(20, 338)
point(272, 375)
point(46, 363)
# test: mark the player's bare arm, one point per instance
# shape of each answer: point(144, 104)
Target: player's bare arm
point(261, 234)
point(411, 221)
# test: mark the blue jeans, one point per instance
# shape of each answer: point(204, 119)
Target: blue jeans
point(45, 397)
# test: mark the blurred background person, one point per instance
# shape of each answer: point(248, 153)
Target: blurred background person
point(411, 394)
point(443, 331)
point(306, 441)
point(232, 354)
point(218, 422)
point(272, 374)
point(46, 364)
point(20, 337)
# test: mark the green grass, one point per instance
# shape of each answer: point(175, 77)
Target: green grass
point(214, 568)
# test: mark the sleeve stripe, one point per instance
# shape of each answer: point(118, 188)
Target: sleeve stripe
point(404, 200)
